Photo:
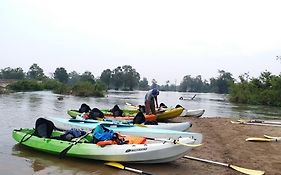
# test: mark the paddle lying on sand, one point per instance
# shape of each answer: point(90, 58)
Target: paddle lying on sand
point(120, 166)
point(237, 168)
point(173, 141)
point(260, 121)
point(258, 124)
point(266, 139)
point(64, 152)
point(271, 137)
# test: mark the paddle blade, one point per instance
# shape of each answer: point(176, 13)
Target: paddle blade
point(247, 171)
point(271, 137)
point(189, 145)
point(115, 164)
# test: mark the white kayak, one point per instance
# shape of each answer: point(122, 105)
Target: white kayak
point(183, 126)
point(125, 128)
point(192, 112)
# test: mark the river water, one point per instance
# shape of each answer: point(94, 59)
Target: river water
point(19, 110)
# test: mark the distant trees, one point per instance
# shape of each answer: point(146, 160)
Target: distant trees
point(10, 73)
point(143, 84)
point(61, 75)
point(217, 85)
point(88, 76)
point(125, 78)
point(131, 77)
point(264, 90)
point(106, 77)
point(35, 72)
point(222, 83)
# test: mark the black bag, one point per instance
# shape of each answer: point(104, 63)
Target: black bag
point(142, 108)
point(44, 128)
point(116, 111)
point(84, 108)
point(139, 118)
point(95, 113)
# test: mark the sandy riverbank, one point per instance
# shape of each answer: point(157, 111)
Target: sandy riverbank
point(225, 142)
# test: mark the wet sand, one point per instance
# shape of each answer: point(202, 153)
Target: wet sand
point(225, 142)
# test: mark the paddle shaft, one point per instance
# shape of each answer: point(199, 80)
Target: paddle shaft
point(208, 161)
point(64, 152)
point(240, 169)
point(174, 141)
point(137, 171)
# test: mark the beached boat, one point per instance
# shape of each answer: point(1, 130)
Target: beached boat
point(130, 114)
point(192, 112)
point(183, 126)
point(123, 128)
point(152, 151)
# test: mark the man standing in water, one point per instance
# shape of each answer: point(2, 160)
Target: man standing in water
point(150, 100)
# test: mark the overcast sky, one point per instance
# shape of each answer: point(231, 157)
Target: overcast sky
point(165, 40)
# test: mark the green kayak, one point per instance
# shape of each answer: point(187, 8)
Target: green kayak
point(153, 151)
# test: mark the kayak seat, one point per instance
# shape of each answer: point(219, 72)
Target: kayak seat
point(44, 128)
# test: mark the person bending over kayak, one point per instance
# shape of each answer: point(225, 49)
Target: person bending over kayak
point(150, 101)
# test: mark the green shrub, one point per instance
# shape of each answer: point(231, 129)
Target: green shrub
point(26, 85)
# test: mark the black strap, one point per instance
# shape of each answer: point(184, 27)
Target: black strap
point(23, 138)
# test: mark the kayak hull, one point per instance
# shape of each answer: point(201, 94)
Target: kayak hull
point(151, 152)
point(192, 113)
point(169, 114)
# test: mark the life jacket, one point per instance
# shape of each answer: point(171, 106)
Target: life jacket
point(103, 136)
point(128, 140)
point(150, 117)
point(101, 133)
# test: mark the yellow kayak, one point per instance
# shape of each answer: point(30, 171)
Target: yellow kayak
point(169, 114)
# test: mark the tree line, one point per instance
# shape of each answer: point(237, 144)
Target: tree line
point(263, 90)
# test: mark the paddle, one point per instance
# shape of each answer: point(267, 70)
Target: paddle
point(266, 139)
point(260, 121)
point(237, 168)
point(64, 152)
point(271, 137)
point(258, 124)
point(118, 165)
point(257, 139)
point(174, 141)
point(106, 123)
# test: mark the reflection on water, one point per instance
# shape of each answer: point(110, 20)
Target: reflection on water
point(19, 110)
point(42, 163)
